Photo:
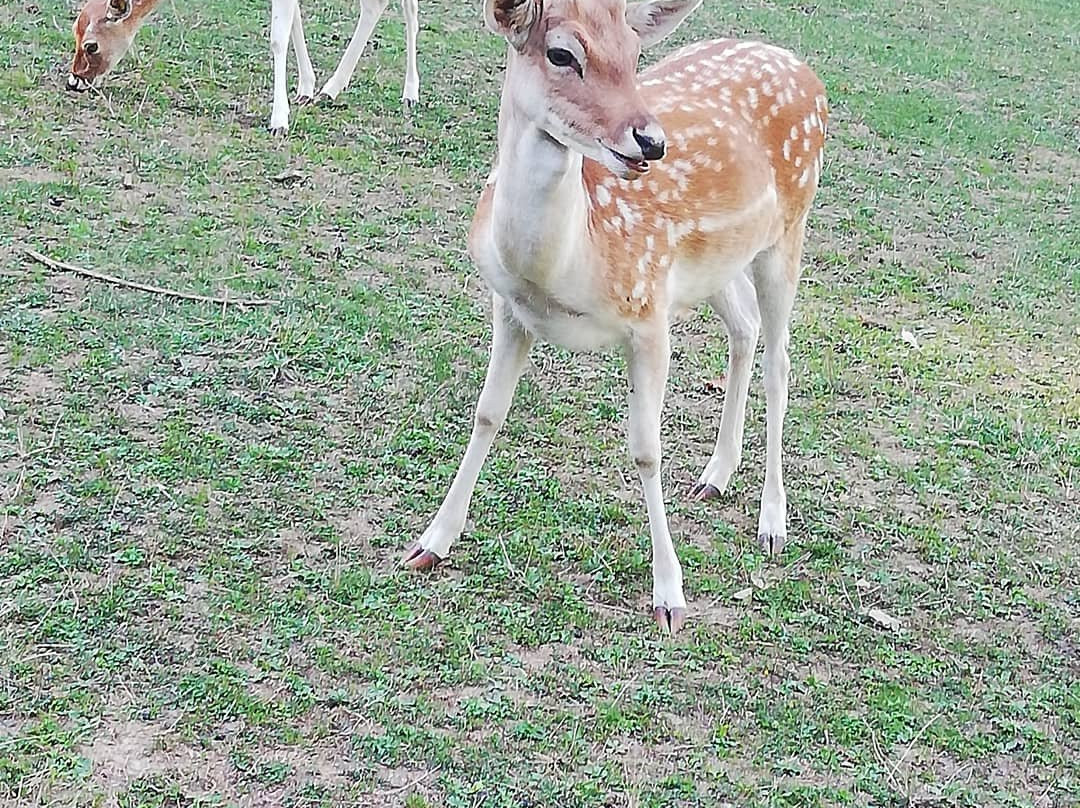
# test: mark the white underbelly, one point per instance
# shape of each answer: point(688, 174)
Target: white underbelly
point(571, 322)
point(692, 282)
point(575, 331)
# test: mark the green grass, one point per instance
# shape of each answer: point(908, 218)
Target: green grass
point(201, 507)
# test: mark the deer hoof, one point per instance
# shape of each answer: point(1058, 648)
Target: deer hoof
point(772, 544)
point(670, 620)
point(703, 492)
point(418, 559)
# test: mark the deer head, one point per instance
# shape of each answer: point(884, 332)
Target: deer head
point(103, 31)
point(572, 72)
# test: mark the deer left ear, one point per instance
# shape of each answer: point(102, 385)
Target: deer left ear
point(514, 19)
point(118, 9)
point(656, 19)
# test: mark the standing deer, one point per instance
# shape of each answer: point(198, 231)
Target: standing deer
point(585, 244)
point(105, 29)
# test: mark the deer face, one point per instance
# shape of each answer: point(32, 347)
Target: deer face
point(103, 31)
point(573, 72)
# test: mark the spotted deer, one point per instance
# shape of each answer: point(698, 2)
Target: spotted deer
point(588, 238)
point(105, 29)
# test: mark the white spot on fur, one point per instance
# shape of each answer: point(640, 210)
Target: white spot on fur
point(629, 214)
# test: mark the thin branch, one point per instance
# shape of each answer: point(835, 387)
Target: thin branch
point(415, 782)
point(157, 290)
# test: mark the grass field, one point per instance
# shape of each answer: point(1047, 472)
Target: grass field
point(202, 507)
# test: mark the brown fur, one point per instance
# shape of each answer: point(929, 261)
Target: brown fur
point(113, 37)
point(744, 158)
point(611, 94)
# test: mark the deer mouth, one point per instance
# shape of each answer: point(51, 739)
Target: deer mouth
point(635, 164)
point(77, 83)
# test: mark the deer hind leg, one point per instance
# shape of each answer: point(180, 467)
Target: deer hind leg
point(282, 15)
point(776, 276)
point(509, 353)
point(305, 90)
point(411, 93)
point(649, 357)
point(370, 12)
point(738, 308)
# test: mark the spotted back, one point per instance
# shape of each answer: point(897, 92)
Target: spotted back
point(746, 126)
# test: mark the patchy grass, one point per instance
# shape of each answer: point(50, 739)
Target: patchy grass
point(201, 507)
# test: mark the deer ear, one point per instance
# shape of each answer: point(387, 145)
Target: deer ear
point(656, 19)
point(513, 19)
point(118, 9)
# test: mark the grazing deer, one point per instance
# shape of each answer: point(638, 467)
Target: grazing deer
point(105, 30)
point(586, 244)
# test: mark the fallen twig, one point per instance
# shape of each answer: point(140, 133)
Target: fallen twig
point(415, 782)
point(144, 287)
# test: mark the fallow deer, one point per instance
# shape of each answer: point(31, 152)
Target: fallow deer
point(105, 29)
point(586, 244)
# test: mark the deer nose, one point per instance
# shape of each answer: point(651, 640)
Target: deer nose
point(90, 47)
point(651, 141)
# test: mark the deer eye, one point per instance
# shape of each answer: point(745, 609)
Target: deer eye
point(118, 8)
point(561, 57)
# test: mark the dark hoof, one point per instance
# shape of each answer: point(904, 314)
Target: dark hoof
point(703, 492)
point(419, 559)
point(772, 545)
point(279, 131)
point(324, 100)
point(669, 620)
point(303, 100)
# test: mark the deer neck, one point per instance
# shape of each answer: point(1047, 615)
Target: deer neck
point(540, 206)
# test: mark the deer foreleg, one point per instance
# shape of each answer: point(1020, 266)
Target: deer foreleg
point(649, 356)
point(305, 90)
point(411, 93)
point(282, 14)
point(509, 353)
point(370, 12)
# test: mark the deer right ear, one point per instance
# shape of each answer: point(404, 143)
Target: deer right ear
point(513, 19)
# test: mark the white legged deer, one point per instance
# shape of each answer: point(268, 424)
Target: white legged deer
point(105, 29)
point(585, 244)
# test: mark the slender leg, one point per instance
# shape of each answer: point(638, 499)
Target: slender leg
point(305, 90)
point(282, 13)
point(776, 276)
point(649, 356)
point(370, 11)
point(509, 352)
point(411, 93)
point(738, 308)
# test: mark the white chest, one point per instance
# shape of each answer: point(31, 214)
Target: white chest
point(573, 317)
